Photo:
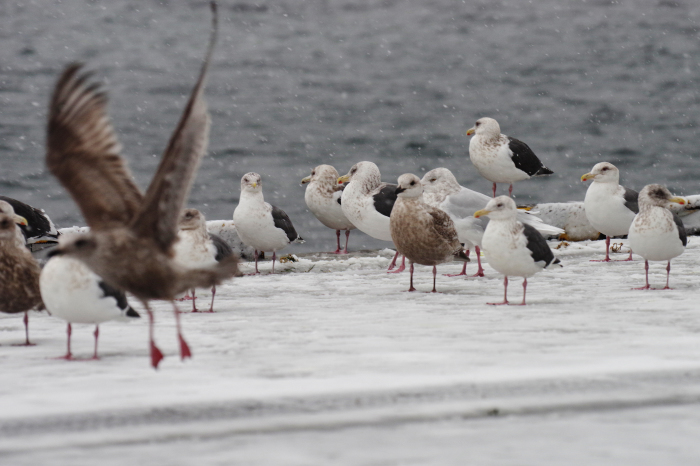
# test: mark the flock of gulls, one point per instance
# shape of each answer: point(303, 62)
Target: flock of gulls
point(153, 248)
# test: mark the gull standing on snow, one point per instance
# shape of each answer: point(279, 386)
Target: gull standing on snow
point(322, 197)
point(656, 233)
point(19, 272)
point(423, 233)
point(131, 238)
point(441, 189)
point(197, 248)
point(500, 158)
point(513, 248)
point(367, 203)
point(74, 293)
point(260, 225)
point(609, 207)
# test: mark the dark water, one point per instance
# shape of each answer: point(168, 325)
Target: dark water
point(297, 83)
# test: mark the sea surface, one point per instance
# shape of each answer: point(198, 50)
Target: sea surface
point(298, 83)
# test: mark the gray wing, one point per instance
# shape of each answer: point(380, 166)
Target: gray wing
point(681, 229)
point(83, 152)
point(222, 247)
point(283, 222)
point(167, 193)
point(384, 200)
point(631, 201)
point(538, 246)
point(464, 203)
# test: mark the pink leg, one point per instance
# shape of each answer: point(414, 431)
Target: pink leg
point(69, 355)
point(411, 287)
point(156, 354)
point(464, 269)
point(213, 293)
point(402, 267)
point(434, 276)
point(524, 291)
point(505, 293)
point(347, 236)
point(97, 335)
point(194, 306)
point(628, 259)
point(494, 190)
point(668, 274)
point(274, 259)
point(184, 347)
point(480, 272)
point(187, 297)
point(646, 268)
point(337, 236)
point(510, 190)
point(393, 261)
point(25, 319)
point(607, 252)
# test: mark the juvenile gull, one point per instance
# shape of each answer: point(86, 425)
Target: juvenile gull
point(322, 197)
point(39, 229)
point(513, 248)
point(197, 248)
point(74, 293)
point(259, 224)
point(609, 207)
point(500, 158)
point(656, 233)
point(130, 243)
point(441, 189)
point(19, 272)
point(423, 233)
point(20, 222)
point(367, 203)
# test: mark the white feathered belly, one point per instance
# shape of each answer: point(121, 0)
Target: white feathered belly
point(607, 214)
point(507, 255)
point(71, 292)
point(655, 244)
point(360, 211)
point(257, 229)
point(327, 211)
point(495, 163)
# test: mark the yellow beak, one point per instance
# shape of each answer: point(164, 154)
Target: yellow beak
point(588, 176)
point(343, 179)
point(481, 213)
point(471, 131)
point(678, 200)
point(306, 180)
point(20, 220)
point(255, 185)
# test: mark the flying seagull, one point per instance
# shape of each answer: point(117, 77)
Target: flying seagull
point(130, 243)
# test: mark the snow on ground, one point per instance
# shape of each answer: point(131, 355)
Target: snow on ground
point(332, 362)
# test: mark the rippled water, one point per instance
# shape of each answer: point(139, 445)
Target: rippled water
point(295, 84)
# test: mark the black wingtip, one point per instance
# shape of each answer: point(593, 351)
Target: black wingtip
point(544, 171)
point(462, 256)
point(132, 313)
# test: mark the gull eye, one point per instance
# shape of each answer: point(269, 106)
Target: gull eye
point(604, 168)
point(313, 173)
point(432, 180)
point(477, 124)
point(499, 205)
point(413, 183)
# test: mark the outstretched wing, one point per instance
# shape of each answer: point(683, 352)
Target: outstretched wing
point(83, 152)
point(171, 184)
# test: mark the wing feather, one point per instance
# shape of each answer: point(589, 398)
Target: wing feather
point(167, 193)
point(83, 152)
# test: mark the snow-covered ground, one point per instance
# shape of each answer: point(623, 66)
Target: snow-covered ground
point(332, 362)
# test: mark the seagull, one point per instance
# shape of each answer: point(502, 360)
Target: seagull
point(20, 223)
point(500, 158)
point(609, 207)
point(39, 229)
point(656, 233)
point(130, 243)
point(513, 248)
point(423, 233)
point(441, 190)
point(367, 203)
point(74, 293)
point(260, 225)
point(19, 272)
point(323, 200)
point(197, 248)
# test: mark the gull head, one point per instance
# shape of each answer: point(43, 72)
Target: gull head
point(251, 182)
point(603, 172)
point(191, 219)
point(409, 186)
point(486, 127)
point(498, 208)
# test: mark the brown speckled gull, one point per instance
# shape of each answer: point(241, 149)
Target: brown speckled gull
point(130, 244)
point(424, 234)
